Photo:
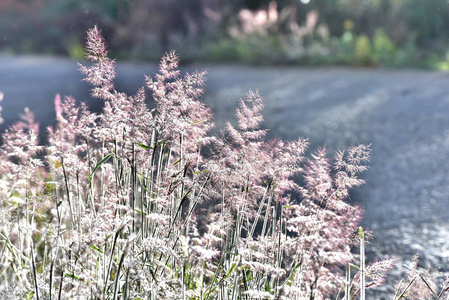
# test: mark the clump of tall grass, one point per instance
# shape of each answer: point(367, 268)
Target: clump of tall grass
point(139, 203)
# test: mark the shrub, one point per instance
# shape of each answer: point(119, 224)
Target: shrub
point(385, 51)
point(363, 53)
point(136, 203)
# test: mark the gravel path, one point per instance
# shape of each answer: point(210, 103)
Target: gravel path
point(403, 114)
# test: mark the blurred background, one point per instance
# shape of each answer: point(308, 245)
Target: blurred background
point(385, 33)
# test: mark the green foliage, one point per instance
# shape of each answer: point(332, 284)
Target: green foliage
point(385, 51)
point(253, 49)
point(363, 54)
point(428, 19)
point(223, 50)
point(260, 49)
point(75, 49)
point(387, 33)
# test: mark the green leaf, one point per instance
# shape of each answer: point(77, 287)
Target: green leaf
point(230, 270)
point(101, 162)
point(290, 278)
point(96, 248)
point(3, 270)
point(98, 165)
point(153, 274)
point(30, 295)
point(175, 174)
point(146, 147)
point(197, 122)
point(71, 275)
point(140, 211)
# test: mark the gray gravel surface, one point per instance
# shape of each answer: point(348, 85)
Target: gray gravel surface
point(403, 114)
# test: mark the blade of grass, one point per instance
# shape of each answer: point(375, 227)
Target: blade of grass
point(117, 275)
point(33, 263)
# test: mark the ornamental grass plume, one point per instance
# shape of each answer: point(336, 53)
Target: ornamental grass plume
point(139, 203)
point(419, 284)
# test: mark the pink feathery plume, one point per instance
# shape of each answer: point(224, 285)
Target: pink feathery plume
point(58, 105)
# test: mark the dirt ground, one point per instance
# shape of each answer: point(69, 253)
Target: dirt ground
point(404, 115)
